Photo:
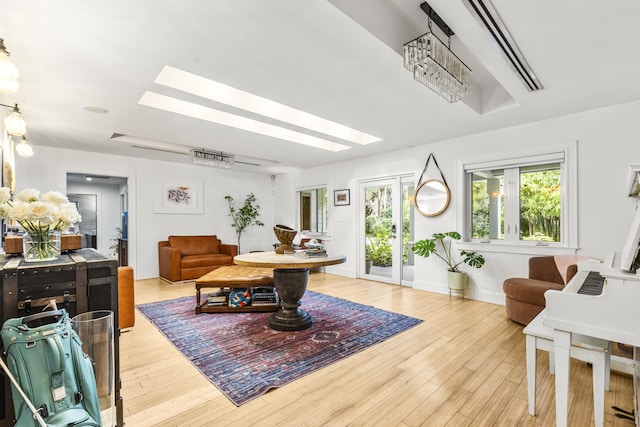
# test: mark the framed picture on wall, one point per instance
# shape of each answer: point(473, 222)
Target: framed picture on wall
point(341, 197)
point(179, 198)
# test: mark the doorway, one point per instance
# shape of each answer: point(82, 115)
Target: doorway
point(386, 229)
point(102, 202)
point(87, 205)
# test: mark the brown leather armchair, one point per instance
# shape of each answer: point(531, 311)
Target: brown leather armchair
point(190, 257)
point(525, 296)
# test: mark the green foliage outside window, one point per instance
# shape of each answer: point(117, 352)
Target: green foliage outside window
point(480, 229)
point(379, 251)
point(540, 207)
point(378, 224)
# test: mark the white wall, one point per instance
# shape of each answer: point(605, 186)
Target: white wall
point(47, 170)
point(608, 142)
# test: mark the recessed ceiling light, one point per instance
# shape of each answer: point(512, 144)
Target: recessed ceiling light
point(219, 92)
point(174, 105)
point(93, 109)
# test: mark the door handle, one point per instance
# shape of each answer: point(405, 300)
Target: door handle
point(393, 231)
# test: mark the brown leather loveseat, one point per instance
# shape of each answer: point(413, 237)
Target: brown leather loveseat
point(190, 257)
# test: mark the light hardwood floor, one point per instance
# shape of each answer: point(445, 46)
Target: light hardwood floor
point(463, 366)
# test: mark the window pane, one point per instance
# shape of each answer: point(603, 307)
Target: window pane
point(487, 197)
point(540, 203)
point(313, 205)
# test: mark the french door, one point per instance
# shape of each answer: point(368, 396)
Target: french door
point(385, 232)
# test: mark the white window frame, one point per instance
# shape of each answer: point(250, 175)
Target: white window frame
point(568, 197)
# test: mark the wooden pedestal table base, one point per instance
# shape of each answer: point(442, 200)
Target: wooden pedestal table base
point(291, 285)
point(290, 279)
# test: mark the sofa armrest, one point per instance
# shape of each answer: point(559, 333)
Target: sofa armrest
point(571, 271)
point(169, 262)
point(228, 249)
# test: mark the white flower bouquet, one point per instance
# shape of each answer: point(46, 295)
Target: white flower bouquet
point(42, 218)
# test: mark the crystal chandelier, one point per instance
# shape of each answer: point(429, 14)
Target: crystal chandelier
point(213, 159)
point(434, 64)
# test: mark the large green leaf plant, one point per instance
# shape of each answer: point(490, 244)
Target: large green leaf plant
point(440, 246)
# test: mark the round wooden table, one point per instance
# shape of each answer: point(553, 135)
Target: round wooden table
point(290, 276)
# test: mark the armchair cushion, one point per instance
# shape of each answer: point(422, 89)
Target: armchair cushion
point(195, 261)
point(529, 290)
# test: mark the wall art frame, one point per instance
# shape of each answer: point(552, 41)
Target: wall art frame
point(341, 197)
point(179, 198)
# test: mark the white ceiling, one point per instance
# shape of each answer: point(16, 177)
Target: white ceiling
point(339, 59)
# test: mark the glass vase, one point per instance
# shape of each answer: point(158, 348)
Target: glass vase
point(96, 331)
point(41, 246)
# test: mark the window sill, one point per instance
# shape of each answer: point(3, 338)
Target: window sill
point(524, 249)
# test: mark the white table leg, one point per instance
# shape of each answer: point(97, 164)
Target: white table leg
point(599, 378)
point(562, 349)
point(531, 372)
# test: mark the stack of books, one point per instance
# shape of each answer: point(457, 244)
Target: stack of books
point(312, 253)
point(264, 296)
point(219, 298)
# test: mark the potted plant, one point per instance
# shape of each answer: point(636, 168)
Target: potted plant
point(368, 255)
point(245, 216)
point(440, 246)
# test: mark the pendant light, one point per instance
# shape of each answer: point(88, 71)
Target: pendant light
point(24, 149)
point(14, 123)
point(8, 71)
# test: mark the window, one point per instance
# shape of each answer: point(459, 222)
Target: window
point(312, 210)
point(521, 200)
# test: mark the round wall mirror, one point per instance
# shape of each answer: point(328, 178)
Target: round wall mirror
point(431, 197)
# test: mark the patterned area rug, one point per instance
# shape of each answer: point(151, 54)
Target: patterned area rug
point(244, 358)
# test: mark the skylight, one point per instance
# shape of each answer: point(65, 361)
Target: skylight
point(174, 105)
point(190, 83)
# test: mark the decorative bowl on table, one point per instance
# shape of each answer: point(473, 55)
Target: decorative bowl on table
point(285, 236)
point(313, 244)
